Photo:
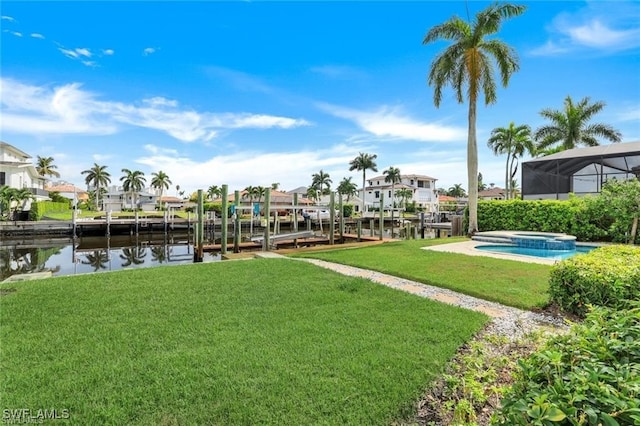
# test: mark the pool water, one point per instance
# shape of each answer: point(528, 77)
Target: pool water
point(547, 254)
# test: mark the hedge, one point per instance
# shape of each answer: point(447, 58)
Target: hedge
point(578, 216)
point(606, 276)
point(590, 376)
point(40, 208)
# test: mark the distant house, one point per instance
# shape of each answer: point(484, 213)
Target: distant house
point(579, 171)
point(116, 200)
point(68, 190)
point(17, 171)
point(354, 200)
point(423, 189)
point(494, 193)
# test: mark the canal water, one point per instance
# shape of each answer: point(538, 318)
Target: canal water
point(95, 254)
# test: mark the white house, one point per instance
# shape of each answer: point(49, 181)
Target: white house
point(17, 171)
point(423, 190)
point(116, 199)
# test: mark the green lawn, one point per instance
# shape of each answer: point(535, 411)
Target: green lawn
point(268, 341)
point(518, 284)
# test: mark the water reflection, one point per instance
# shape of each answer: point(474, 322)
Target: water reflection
point(94, 254)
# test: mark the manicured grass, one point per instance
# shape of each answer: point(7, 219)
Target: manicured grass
point(269, 341)
point(518, 284)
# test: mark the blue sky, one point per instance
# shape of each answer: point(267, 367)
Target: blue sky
point(252, 93)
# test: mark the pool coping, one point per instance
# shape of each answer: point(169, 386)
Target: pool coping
point(469, 248)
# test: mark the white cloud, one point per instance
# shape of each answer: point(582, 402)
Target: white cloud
point(338, 71)
point(238, 79)
point(149, 50)
point(599, 26)
point(390, 123)
point(8, 18)
point(83, 51)
point(69, 109)
point(632, 114)
point(241, 169)
point(100, 158)
point(15, 33)
point(90, 63)
point(107, 52)
point(37, 35)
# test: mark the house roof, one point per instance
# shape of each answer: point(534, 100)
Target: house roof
point(170, 199)
point(65, 188)
point(446, 199)
point(491, 192)
point(411, 176)
point(614, 149)
point(15, 150)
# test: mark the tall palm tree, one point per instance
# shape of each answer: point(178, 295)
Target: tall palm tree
point(364, 162)
point(570, 127)
point(391, 175)
point(250, 193)
point(160, 181)
point(321, 180)
point(133, 181)
point(347, 188)
point(98, 177)
point(467, 65)
point(260, 192)
point(275, 186)
point(512, 141)
point(45, 167)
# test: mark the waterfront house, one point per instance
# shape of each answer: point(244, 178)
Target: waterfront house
point(17, 171)
point(423, 189)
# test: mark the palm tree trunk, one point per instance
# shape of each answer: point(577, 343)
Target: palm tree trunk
point(472, 166)
point(363, 181)
point(506, 176)
point(634, 230)
point(392, 205)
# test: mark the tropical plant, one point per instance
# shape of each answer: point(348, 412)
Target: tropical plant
point(12, 200)
point(98, 177)
point(275, 186)
point(364, 162)
point(347, 188)
point(457, 191)
point(261, 191)
point(514, 188)
point(404, 194)
point(392, 175)
point(45, 167)
point(214, 192)
point(570, 127)
point(481, 185)
point(132, 182)
point(467, 65)
point(249, 193)
point(512, 141)
point(322, 182)
point(160, 181)
point(622, 199)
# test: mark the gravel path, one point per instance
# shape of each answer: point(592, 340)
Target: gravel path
point(510, 322)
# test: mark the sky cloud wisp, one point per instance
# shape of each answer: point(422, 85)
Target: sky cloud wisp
point(149, 51)
point(597, 27)
point(391, 123)
point(69, 109)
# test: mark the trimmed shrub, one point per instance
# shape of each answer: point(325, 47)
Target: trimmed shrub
point(40, 208)
point(605, 276)
point(347, 210)
point(590, 376)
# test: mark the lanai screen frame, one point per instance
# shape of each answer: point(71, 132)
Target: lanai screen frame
point(551, 178)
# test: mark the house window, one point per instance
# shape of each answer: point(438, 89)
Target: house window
point(421, 184)
point(377, 194)
point(389, 194)
point(3, 178)
point(412, 182)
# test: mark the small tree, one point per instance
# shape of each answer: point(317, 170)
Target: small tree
point(623, 198)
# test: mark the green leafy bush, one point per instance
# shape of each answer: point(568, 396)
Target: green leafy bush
point(40, 208)
point(605, 276)
point(590, 376)
point(347, 210)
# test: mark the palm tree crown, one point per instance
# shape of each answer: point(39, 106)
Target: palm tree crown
point(320, 181)
point(99, 177)
point(45, 167)
point(160, 181)
point(467, 65)
point(347, 187)
point(512, 141)
point(133, 181)
point(364, 162)
point(570, 127)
